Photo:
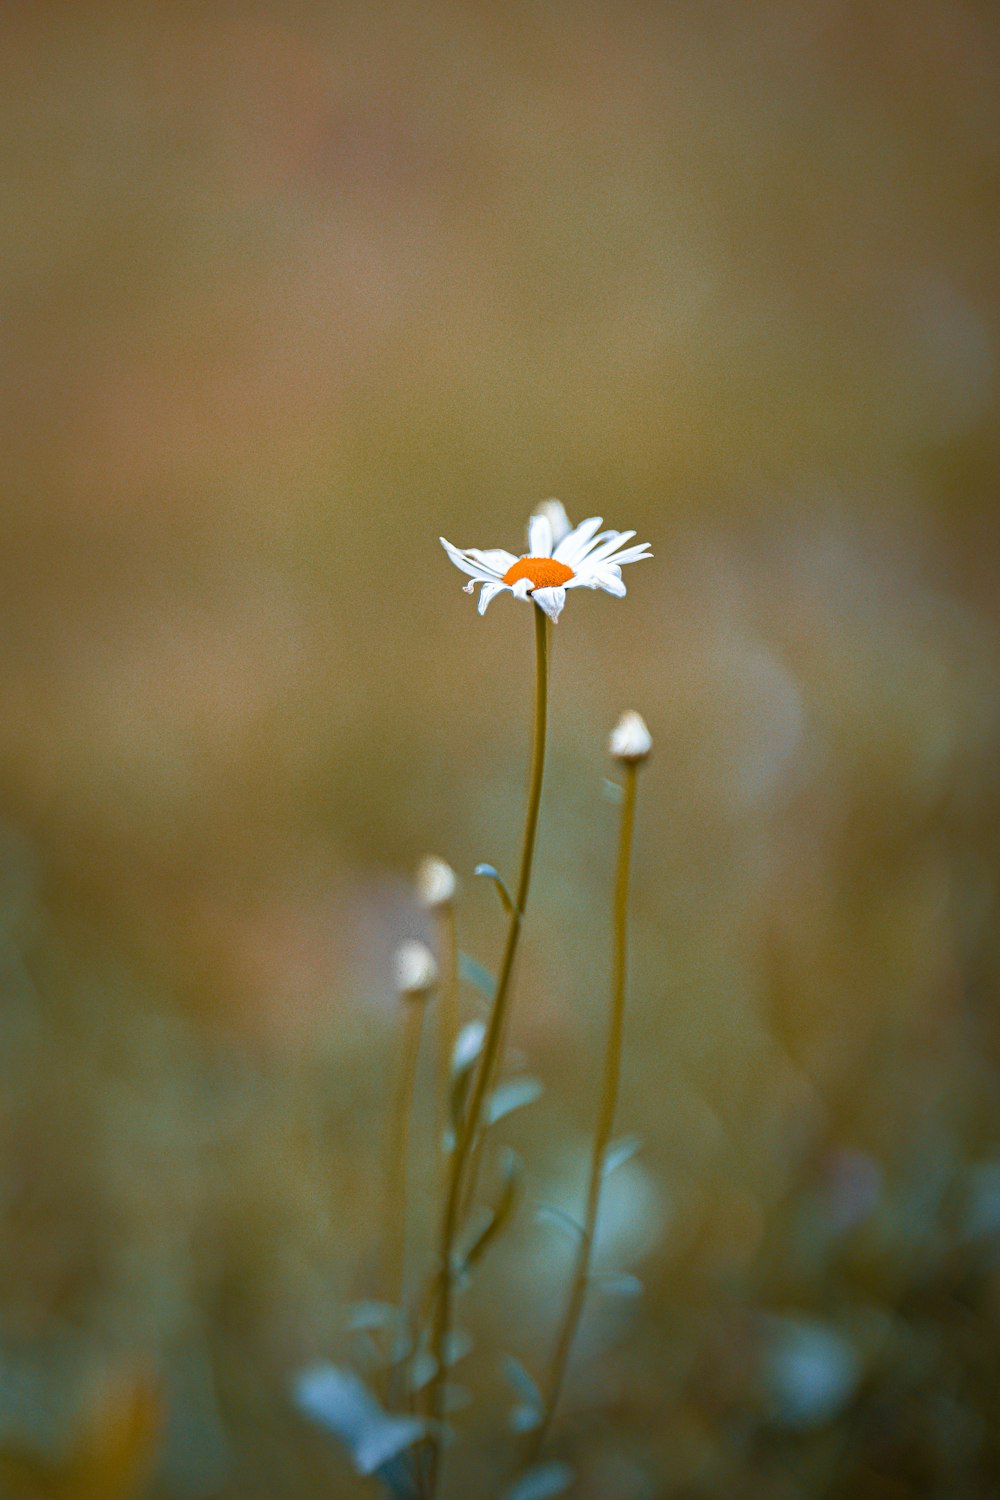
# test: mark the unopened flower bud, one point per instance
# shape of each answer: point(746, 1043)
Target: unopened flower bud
point(416, 971)
point(436, 883)
point(630, 739)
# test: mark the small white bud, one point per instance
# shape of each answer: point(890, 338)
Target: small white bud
point(555, 513)
point(630, 739)
point(416, 971)
point(436, 883)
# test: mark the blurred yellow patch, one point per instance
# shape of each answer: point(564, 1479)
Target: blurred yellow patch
point(112, 1456)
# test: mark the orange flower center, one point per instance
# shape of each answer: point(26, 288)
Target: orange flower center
point(544, 572)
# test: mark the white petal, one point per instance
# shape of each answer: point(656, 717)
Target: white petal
point(608, 580)
point(598, 554)
point(522, 588)
point(551, 600)
point(461, 560)
point(487, 592)
point(539, 537)
point(557, 517)
point(588, 577)
point(632, 554)
point(595, 542)
point(575, 544)
point(495, 559)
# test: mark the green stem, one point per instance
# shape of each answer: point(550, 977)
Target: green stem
point(457, 1187)
point(605, 1123)
point(398, 1151)
point(448, 1011)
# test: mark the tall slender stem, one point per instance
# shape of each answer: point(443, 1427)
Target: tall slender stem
point(398, 1150)
point(457, 1186)
point(605, 1122)
point(448, 1013)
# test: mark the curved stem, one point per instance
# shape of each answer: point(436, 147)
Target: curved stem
point(458, 1188)
point(605, 1122)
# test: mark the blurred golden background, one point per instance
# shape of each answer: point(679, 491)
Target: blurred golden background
point(288, 291)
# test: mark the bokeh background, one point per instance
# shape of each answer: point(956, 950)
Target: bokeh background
point(288, 290)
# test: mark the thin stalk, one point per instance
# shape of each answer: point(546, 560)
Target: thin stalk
point(457, 1187)
point(397, 1152)
point(448, 1013)
point(605, 1123)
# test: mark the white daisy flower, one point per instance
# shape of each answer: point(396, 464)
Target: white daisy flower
point(559, 557)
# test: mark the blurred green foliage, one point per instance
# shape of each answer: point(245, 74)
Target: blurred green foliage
point(288, 291)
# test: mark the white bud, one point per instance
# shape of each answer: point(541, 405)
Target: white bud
point(436, 883)
point(630, 739)
point(416, 971)
point(555, 513)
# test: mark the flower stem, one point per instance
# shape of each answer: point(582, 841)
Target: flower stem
point(398, 1151)
point(448, 1013)
point(605, 1122)
point(457, 1187)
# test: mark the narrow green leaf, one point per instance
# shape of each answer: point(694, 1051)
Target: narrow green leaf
point(484, 1229)
point(423, 1368)
point(456, 1346)
point(477, 974)
point(340, 1402)
point(468, 1046)
point(547, 1213)
point(496, 1218)
point(512, 1095)
point(467, 1049)
point(618, 1153)
point(524, 1418)
point(612, 791)
point(521, 1382)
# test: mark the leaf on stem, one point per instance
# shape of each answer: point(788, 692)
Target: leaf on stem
point(619, 1152)
point(339, 1401)
point(547, 1213)
point(512, 1095)
point(541, 1483)
point(468, 1046)
point(423, 1367)
point(496, 1218)
point(524, 1418)
point(527, 1414)
point(492, 873)
point(456, 1346)
point(463, 1060)
point(367, 1318)
point(478, 975)
point(613, 791)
